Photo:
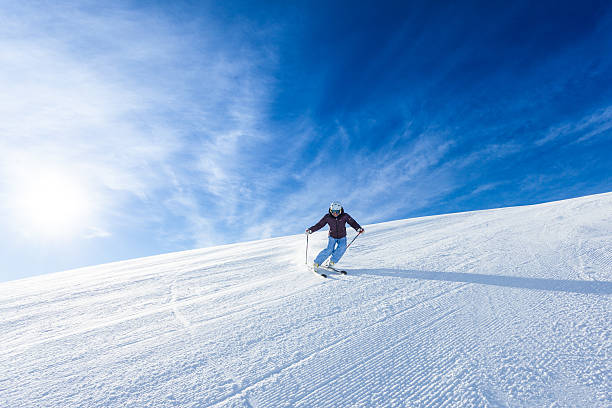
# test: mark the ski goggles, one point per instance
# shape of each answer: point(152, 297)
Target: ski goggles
point(335, 211)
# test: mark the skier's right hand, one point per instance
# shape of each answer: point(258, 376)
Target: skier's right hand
point(308, 231)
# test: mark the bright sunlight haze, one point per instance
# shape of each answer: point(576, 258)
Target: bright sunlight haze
point(50, 203)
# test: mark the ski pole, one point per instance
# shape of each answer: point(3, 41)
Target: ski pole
point(347, 247)
point(306, 249)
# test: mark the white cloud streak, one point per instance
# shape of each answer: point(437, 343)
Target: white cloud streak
point(581, 130)
point(101, 94)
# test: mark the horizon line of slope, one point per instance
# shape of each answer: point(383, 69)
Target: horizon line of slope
point(188, 252)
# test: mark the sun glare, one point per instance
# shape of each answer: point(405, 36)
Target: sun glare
point(51, 203)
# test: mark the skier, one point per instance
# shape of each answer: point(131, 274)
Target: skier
point(336, 218)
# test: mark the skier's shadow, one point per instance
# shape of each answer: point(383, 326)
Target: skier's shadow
point(556, 285)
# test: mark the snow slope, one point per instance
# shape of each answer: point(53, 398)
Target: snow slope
point(507, 307)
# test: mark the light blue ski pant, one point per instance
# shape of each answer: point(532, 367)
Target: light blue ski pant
point(335, 248)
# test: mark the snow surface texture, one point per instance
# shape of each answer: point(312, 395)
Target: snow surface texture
point(507, 307)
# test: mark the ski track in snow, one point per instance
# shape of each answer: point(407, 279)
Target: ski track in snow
point(497, 308)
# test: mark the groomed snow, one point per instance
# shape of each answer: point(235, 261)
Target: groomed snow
point(498, 308)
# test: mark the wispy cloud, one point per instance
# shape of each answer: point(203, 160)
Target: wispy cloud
point(61, 109)
point(151, 126)
point(592, 125)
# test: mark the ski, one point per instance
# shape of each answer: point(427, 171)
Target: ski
point(312, 268)
point(327, 268)
point(331, 268)
point(340, 271)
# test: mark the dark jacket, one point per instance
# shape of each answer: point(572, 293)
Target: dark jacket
point(337, 225)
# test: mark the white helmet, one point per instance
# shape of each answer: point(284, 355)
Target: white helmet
point(335, 206)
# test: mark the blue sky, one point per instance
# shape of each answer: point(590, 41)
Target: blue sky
point(136, 128)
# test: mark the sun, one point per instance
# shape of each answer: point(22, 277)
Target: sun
point(51, 203)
